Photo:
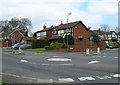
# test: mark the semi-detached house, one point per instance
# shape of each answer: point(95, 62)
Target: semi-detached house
point(78, 30)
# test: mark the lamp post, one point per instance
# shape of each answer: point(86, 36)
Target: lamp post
point(67, 29)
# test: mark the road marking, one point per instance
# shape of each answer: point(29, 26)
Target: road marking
point(44, 81)
point(86, 78)
point(59, 59)
point(65, 80)
point(116, 75)
point(24, 61)
point(11, 74)
point(93, 62)
point(104, 77)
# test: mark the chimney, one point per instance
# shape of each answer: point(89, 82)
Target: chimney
point(51, 26)
point(89, 28)
point(99, 29)
point(44, 27)
point(61, 23)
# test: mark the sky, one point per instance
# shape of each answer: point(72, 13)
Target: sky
point(92, 13)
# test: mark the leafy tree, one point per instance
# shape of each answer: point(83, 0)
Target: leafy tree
point(34, 35)
point(60, 39)
point(96, 39)
point(69, 39)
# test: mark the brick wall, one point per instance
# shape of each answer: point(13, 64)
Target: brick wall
point(82, 44)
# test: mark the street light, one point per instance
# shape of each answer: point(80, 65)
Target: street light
point(67, 29)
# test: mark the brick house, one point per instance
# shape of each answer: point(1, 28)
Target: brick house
point(107, 35)
point(77, 29)
point(14, 37)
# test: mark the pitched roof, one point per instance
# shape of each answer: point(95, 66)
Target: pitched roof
point(99, 32)
point(63, 26)
point(15, 31)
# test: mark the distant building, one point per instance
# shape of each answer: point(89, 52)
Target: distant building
point(107, 35)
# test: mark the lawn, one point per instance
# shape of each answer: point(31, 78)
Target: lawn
point(36, 50)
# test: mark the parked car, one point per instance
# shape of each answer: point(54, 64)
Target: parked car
point(109, 46)
point(25, 46)
point(16, 46)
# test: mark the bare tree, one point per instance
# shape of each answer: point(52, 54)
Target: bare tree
point(23, 24)
point(117, 29)
point(105, 27)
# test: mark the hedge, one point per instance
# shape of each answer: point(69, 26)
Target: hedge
point(41, 43)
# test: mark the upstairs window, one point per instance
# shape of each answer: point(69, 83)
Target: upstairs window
point(54, 32)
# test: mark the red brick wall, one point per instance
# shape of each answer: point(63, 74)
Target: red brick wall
point(18, 36)
point(5, 44)
point(81, 45)
point(49, 34)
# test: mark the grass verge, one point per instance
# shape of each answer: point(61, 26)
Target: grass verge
point(36, 50)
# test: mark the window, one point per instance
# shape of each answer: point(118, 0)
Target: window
point(54, 32)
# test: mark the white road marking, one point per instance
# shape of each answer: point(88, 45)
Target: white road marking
point(24, 61)
point(104, 77)
point(11, 74)
point(65, 80)
point(86, 78)
point(59, 59)
point(29, 80)
point(116, 75)
point(92, 62)
point(44, 81)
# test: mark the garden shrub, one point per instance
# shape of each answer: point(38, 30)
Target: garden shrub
point(41, 43)
point(58, 45)
point(70, 39)
point(60, 39)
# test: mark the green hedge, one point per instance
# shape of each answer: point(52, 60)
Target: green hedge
point(41, 43)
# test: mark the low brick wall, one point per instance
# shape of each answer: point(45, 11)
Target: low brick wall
point(5, 44)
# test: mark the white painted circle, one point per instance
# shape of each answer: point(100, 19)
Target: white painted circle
point(59, 59)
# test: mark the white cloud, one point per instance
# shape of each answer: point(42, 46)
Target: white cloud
point(52, 12)
point(103, 7)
